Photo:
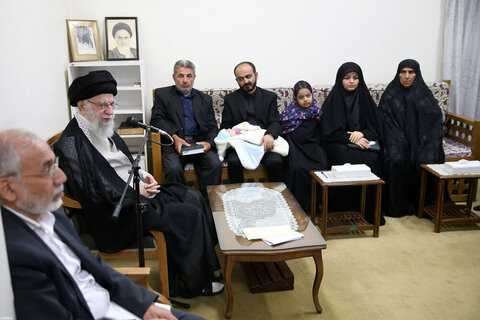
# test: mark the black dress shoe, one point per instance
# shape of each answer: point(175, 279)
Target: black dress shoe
point(212, 289)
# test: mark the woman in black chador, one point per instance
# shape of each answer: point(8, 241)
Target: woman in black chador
point(350, 132)
point(412, 136)
point(300, 127)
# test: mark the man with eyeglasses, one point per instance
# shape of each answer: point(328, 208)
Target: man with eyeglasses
point(53, 275)
point(258, 107)
point(97, 162)
point(187, 115)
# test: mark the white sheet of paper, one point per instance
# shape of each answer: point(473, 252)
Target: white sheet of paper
point(267, 232)
point(272, 241)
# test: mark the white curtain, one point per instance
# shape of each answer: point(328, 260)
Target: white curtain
point(461, 61)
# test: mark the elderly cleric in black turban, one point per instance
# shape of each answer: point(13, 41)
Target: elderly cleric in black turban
point(94, 83)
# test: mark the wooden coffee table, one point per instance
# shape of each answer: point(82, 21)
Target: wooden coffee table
point(236, 248)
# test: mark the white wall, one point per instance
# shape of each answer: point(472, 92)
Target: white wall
point(33, 56)
point(288, 41)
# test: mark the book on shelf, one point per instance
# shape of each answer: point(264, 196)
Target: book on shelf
point(192, 149)
point(127, 131)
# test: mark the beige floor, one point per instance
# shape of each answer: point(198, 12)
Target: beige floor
point(409, 272)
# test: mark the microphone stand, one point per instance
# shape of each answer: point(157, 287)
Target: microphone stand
point(140, 208)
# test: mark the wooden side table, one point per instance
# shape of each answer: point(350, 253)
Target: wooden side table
point(447, 213)
point(334, 222)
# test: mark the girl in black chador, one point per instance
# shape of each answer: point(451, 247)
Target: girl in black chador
point(412, 135)
point(301, 128)
point(350, 131)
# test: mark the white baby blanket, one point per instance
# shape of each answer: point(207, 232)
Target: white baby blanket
point(247, 145)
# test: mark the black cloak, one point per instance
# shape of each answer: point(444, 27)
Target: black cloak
point(349, 111)
point(344, 111)
point(188, 228)
point(412, 134)
point(305, 154)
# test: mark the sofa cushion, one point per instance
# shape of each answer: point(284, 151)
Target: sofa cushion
point(455, 149)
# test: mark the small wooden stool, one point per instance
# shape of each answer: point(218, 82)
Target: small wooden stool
point(447, 213)
point(333, 222)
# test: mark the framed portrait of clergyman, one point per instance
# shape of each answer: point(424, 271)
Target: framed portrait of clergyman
point(84, 40)
point(121, 35)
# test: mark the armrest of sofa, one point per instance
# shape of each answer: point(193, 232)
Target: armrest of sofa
point(464, 130)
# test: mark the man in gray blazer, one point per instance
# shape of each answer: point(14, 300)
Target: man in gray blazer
point(187, 115)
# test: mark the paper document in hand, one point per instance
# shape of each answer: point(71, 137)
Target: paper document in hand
point(192, 149)
point(267, 232)
point(272, 241)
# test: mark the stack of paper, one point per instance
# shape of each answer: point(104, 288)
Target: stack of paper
point(351, 170)
point(463, 167)
point(272, 235)
point(272, 241)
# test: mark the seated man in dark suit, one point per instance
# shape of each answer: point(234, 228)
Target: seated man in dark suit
point(258, 107)
point(187, 115)
point(54, 276)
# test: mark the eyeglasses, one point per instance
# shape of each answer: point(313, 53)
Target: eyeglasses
point(105, 105)
point(47, 174)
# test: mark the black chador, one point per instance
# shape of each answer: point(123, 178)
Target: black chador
point(347, 111)
point(412, 135)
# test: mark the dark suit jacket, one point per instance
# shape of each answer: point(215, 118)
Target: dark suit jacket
point(266, 111)
point(167, 114)
point(44, 289)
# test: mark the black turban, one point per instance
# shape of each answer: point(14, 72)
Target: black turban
point(94, 83)
point(120, 26)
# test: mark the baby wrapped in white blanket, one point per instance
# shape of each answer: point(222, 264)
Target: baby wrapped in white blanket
point(245, 139)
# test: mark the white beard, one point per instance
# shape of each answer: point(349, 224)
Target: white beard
point(34, 204)
point(101, 129)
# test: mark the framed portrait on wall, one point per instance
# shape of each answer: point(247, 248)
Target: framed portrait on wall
point(84, 40)
point(121, 35)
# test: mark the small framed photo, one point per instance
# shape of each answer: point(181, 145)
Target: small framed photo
point(122, 38)
point(84, 40)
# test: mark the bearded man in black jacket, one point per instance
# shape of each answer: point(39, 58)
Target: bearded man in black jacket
point(259, 107)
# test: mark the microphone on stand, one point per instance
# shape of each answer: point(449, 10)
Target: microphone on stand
point(133, 122)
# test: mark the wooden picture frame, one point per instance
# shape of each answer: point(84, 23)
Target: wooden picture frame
point(84, 40)
point(121, 35)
